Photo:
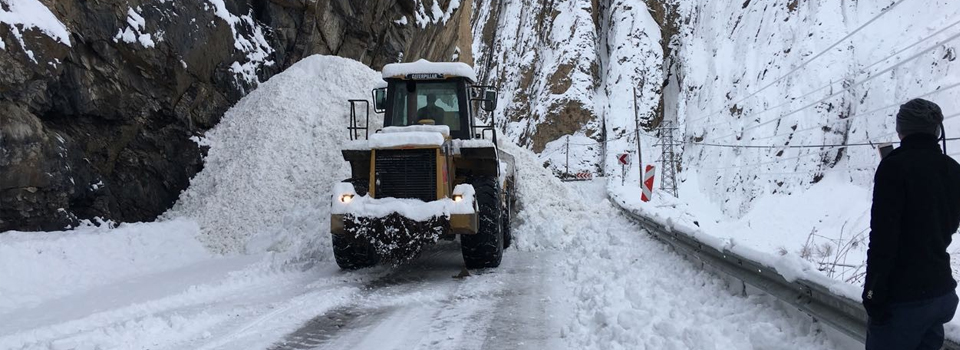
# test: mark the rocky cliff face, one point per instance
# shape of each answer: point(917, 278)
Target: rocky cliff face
point(103, 104)
point(567, 71)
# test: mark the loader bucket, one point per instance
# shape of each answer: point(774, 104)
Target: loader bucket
point(397, 239)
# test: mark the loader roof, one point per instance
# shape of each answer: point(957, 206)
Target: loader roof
point(424, 69)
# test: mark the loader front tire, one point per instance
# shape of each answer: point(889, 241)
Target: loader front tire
point(352, 254)
point(485, 248)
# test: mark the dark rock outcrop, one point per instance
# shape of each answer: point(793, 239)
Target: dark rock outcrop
point(105, 127)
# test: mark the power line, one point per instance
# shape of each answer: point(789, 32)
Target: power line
point(822, 150)
point(613, 139)
point(799, 146)
point(858, 73)
point(825, 148)
point(869, 113)
point(778, 160)
point(804, 64)
point(878, 74)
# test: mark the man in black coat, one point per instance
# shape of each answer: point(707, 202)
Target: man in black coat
point(909, 291)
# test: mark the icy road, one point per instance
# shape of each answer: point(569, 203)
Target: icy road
point(584, 276)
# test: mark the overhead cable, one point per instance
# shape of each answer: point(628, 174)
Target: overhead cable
point(861, 71)
point(878, 74)
point(805, 63)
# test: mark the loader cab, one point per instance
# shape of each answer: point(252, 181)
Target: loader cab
point(431, 93)
point(428, 102)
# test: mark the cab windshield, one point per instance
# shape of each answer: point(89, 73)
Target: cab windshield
point(418, 102)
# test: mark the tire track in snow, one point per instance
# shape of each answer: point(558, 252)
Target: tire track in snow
point(420, 306)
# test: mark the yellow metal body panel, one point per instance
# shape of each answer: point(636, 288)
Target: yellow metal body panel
point(464, 224)
point(371, 189)
point(336, 224)
point(443, 186)
point(446, 172)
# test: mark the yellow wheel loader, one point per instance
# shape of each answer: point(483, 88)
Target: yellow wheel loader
point(430, 173)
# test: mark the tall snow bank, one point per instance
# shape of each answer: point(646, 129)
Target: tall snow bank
point(274, 158)
point(546, 217)
point(38, 266)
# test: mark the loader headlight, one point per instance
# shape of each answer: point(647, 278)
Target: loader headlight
point(346, 198)
point(457, 197)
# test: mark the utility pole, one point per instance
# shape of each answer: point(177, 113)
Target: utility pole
point(668, 158)
point(567, 174)
point(603, 147)
point(636, 119)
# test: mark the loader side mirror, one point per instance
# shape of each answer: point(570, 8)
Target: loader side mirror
point(379, 100)
point(489, 100)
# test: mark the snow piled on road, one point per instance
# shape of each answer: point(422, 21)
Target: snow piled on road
point(630, 291)
point(161, 285)
point(274, 159)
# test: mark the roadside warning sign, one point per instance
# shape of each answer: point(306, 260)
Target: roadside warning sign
point(624, 158)
point(647, 185)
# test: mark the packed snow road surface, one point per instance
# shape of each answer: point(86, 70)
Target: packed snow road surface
point(428, 305)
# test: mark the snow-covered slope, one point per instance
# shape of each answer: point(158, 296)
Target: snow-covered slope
point(787, 76)
point(848, 94)
point(275, 156)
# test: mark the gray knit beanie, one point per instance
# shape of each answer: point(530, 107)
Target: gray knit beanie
point(919, 115)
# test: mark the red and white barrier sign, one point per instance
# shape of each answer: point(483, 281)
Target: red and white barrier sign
point(647, 185)
point(586, 175)
point(624, 158)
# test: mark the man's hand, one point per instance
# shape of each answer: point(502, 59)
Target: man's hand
point(878, 313)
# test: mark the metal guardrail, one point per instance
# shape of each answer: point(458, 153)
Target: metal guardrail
point(842, 313)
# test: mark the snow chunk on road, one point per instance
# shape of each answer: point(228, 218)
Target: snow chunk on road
point(458, 69)
point(275, 157)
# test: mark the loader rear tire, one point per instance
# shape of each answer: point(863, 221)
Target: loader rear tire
point(507, 230)
point(352, 254)
point(485, 248)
